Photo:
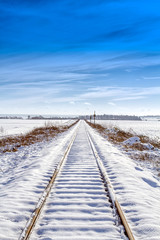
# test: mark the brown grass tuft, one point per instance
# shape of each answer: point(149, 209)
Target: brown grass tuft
point(115, 136)
point(118, 136)
point(11, 144)
point(99, 127)
point(137, 151)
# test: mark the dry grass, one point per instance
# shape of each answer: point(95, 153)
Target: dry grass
point(118, 136)
point(154, 142)
point(99, 127)
point(147, 157)
point(11, 144)
point(115, 136)
point(137, 151)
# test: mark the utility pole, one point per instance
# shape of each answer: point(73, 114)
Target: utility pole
point(94, 116)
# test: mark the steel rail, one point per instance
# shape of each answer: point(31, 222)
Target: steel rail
point(36, 213)
point(110, 190)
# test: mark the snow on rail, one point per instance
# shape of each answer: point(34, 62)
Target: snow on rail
point(32, 221)
point(136, 188)
point(78, 207)
point(23, 179)
point(111, 191)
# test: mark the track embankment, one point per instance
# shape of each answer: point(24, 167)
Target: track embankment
point(79, 200)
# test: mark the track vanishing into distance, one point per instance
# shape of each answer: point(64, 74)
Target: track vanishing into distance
point(79, 201)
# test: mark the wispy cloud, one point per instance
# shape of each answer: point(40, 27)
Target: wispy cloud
point(87, 103)
point(60, 53)
point(112, 103)
point(72, 102)
point(120, 93)
point(129, 98)
point(152, 78)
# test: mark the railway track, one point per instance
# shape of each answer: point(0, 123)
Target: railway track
point(79, 201)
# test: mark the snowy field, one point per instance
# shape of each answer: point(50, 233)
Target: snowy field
point(147, 128)
point(25, 173)
point(22, 126)
point(136, 188)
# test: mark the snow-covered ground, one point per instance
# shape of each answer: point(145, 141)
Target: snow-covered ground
point(78, 208)
point(22, 126)
point(23, 177)
point(25, 173)
point(147, 128)
point(150, 156)
point(136, 188)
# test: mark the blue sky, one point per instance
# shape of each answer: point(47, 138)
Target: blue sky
point(74, 57)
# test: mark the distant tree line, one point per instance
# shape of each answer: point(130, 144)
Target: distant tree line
point(87, 117)
point(50, 118)
point(111, 117)
point(10, 117)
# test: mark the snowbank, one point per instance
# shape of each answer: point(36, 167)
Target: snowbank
point(23, 177)
point(137, 190)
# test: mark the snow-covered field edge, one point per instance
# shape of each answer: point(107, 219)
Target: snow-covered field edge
point(136, 188)
point(143, 149)
point(23, 177)
point(44, 133)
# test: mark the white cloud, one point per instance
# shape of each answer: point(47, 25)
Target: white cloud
point(50, 81)
point(111, 103)
point(129, 98)
point(149, 78)
point(120, 93)
point(87, 103)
